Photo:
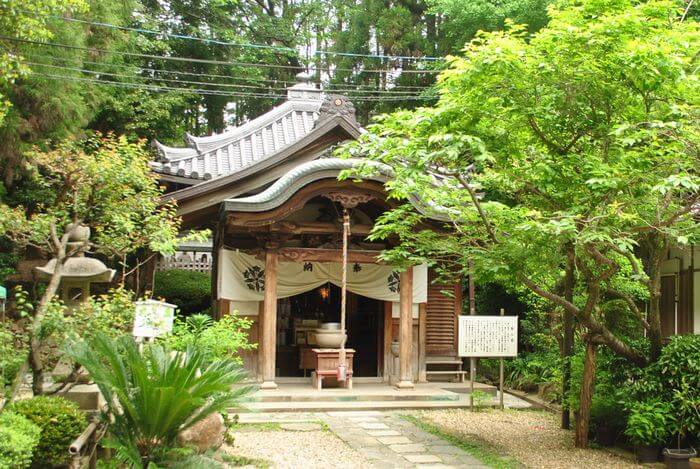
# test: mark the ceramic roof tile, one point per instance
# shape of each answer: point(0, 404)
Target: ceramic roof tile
point(218, 155)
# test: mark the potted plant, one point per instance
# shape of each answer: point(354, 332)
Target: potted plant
point(647, 429)
point(686, 412)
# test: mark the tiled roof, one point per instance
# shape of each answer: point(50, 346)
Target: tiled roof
point(218, 155)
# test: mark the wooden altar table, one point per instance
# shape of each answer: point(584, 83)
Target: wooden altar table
point(326, 365)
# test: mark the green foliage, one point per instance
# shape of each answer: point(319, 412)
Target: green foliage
point(153, 395)
point(188, 289)
point(18, 439)
point(60, 421)
point(480, 399)
point(536, 372)
point(103, 182)
point(13, 352)
point(109, 315)
point(673, 380)
point(581, 139)
point(648, 423)
point(217, 340)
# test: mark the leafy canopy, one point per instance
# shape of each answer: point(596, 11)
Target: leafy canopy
point(104, 183)
point(582, 138)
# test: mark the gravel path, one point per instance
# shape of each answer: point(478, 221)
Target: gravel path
point(291, 449)
point(532, 437)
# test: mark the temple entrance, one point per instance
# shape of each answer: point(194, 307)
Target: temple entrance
point(300, 315)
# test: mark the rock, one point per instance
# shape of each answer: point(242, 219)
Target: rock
point(204, 435)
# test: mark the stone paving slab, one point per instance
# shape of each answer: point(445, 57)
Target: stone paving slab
point(385, 439)
point(384, 433)
point(422, 458)
point(399, 444)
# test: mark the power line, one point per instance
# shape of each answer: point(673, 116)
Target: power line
point(190, 82)
point(330, 86)
point(278, 49)
point(202, 61)
point(197, 91)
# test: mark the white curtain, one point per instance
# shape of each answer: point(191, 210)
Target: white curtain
point(242, 278)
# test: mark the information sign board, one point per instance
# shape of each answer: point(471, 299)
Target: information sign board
point(488, 336)
point(153, 318)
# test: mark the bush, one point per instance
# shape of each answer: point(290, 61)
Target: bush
point(18, 440)
point(13, 352)
point(189, 290)
point(648, 422)
point(217, 340)
point(152, 396)
point(60, 422)
point(674, 380)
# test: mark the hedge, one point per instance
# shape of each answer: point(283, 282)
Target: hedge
point(188, 289)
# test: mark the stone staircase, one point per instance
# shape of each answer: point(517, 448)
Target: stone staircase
point(304, 398)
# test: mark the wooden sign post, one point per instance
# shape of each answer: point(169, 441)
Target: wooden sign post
point(488, 337)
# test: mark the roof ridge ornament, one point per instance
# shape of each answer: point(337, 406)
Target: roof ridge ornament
point(304, 89)
point(337, 105)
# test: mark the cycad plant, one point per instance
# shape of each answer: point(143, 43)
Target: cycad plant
point(153, 394)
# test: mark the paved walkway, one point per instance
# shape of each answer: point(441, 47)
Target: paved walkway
point(384, 438)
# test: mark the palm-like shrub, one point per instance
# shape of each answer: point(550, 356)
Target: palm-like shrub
point(154, 394)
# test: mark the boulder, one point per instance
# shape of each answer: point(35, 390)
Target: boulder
point(204, 435)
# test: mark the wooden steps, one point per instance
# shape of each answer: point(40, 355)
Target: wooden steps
point(440, 367)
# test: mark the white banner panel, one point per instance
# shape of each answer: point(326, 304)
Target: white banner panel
point(488, 336)
point(242, 278)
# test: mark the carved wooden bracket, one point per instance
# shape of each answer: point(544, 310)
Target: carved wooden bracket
point(348, 200)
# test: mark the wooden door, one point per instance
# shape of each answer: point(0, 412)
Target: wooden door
point(441, 315)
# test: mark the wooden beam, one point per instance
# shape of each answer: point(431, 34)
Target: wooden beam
point(268, 340)
point(302, 196)
point(328, 255)
point(406, 330)
point(293, 227)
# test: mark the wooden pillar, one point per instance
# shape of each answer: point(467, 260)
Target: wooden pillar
point(406, 330)
point(268, 338)
point(422, 375)
point(388, 338)
point(217, 245)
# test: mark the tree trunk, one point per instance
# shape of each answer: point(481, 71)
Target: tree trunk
point(656, 255)
point(587, 386)
point(35, 360)
point(568, 339)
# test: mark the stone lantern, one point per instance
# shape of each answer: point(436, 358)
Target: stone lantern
point(78, 271)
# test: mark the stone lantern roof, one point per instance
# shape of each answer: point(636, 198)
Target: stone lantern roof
point(78, 268)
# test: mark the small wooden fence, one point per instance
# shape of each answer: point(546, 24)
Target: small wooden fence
point(185, 263)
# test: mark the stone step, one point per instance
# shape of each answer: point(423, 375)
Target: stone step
point(328, 397)
point(348, 405)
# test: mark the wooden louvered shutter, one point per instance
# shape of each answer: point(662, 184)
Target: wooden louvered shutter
point(441, 319)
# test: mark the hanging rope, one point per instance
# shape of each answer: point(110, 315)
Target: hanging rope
point(342, 367)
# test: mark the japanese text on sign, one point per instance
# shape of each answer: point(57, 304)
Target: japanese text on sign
point(488, 336)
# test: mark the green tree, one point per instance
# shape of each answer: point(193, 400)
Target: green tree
point(572, 152)
point(102, 183)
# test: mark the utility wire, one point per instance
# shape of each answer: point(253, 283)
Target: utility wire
point(329, 86)
point(202, 61)
point(200, 91)
point(279, 49)
point(190, 82)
